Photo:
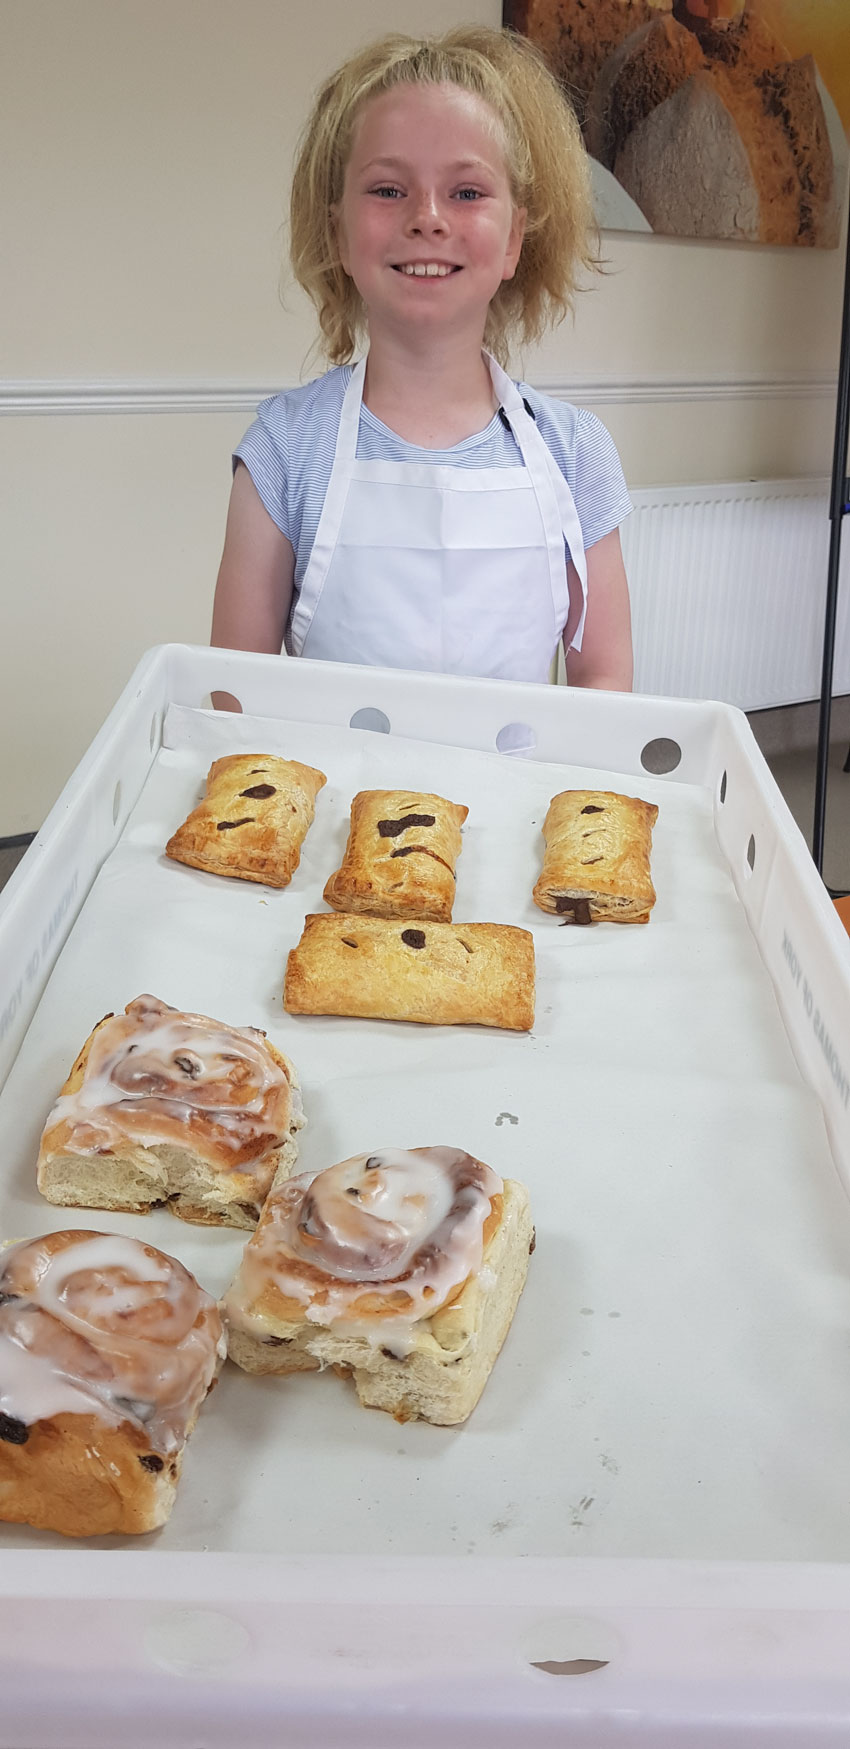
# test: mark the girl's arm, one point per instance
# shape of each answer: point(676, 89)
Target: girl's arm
point(605, 658)
point(254, 589)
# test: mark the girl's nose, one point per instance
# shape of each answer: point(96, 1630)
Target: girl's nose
point(427, 215)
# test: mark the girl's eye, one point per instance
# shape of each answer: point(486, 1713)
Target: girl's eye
point(386, 191)
point(469, 194)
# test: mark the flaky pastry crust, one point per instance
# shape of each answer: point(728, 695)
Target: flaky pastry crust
point(252, 822)
point(400, 857)
point(445, 974)
point(596, 863)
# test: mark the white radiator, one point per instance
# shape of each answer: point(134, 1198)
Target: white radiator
point(728, 589)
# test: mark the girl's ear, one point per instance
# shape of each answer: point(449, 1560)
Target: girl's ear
point(515, 241)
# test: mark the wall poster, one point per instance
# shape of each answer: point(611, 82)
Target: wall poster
point(707, 118)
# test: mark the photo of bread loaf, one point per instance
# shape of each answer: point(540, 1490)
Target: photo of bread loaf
point(163, 1107)
point(108, 1348)
point(400, 1268)
point(717, 118)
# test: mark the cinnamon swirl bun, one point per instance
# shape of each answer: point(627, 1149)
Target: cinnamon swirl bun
point(107, 1350)
point(252, 822)
point(166, 1107)
point(402, 1267)
point(400, 857)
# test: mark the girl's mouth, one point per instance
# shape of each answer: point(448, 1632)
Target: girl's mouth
point(425, 269)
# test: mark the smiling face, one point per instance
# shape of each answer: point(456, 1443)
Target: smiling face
point(427, 226)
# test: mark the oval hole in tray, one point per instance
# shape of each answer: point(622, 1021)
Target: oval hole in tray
point(116, 802)
point(571, 1645)
point(661, 755)
point(751, 855)
point(369, 717)
point(516, 738)
point(722, 790)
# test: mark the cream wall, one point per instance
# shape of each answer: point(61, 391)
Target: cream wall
point(145, 151)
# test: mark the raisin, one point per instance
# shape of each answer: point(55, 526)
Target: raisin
point(390, 1356)
point(189, 1065)
point(230, 825)
point(259, 791)
point(533, 1246)
point(151, 1462)
point(250, 1209)
point(392, 828)
point(346, 942)
point(591, 809)
point(413, 937)
point(15, 1432)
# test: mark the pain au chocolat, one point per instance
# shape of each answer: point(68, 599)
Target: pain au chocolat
point(445, 974)
point(402, 1268)
point(400, 857)
point(108, 1348)
point(253, 819)
point(596, 863)
point(166, 1107)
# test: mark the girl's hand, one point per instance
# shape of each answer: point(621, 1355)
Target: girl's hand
point(254, 589)
point(605, 658)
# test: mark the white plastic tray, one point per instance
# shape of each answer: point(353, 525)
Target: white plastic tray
point(655, 1481)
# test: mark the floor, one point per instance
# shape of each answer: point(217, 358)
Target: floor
point(788, 740)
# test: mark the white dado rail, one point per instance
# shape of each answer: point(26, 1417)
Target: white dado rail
point(151, 397)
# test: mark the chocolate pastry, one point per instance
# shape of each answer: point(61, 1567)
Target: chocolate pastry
point(253, 820)
point(596, 863)
point(446, 974)
point(400, 857)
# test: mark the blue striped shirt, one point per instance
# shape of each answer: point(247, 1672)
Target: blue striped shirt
point(289, 452)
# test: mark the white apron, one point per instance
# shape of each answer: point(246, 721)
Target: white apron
point(446, 569)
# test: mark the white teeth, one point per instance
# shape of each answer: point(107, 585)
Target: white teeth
point(423, 270)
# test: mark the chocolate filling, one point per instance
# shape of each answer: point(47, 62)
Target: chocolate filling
point(392, 828)
point(230, 825)
point(151, 1462)
point(591, 809)
point(577, 909)
point(421, 850)
point(413, 937)
point(15, 1432)
point(259, 792)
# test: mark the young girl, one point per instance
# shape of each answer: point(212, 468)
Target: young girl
point(419, 509)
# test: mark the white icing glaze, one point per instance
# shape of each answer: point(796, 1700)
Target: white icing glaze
point(153, 1073)
point(105, 1325)
point(383, 1239)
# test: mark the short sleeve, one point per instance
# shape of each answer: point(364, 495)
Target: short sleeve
point(587, 457)
point(265, 452)
point(600, 491)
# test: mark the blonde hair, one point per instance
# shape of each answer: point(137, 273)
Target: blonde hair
point(546, 162)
